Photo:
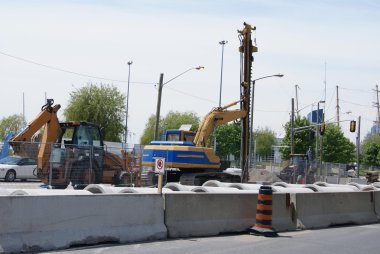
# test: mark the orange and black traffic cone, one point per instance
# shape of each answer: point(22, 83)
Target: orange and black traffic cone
point(263, 225)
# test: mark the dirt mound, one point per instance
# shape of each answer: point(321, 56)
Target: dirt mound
point(263, 175)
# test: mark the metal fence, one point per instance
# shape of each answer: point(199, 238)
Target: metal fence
point(61, 165)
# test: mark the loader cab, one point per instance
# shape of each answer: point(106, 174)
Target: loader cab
point(178, 135)
point(80, 142)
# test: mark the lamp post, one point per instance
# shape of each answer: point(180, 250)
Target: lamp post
point(251, 122)
point(316, 136)
point(126, 113)
point(223, 43)
point(160, 86)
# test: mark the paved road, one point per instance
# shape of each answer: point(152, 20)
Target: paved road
point(30, 184)
point(339, 240)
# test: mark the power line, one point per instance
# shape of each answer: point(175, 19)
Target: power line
point(191, 95)
point(355, 90)
point(68, 71)
point(357, 104)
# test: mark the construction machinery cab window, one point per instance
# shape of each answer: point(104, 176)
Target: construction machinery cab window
point(87, 136)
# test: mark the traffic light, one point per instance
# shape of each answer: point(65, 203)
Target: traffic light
point(322, 129)
point(352, 126)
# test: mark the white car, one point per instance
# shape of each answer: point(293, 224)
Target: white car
point(16, 167)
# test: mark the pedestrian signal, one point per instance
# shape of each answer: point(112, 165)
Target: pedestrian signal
point(352, 126)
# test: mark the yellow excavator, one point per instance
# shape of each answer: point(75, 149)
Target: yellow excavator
point(187, 157)
point(70, 151)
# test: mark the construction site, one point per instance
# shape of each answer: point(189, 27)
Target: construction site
point(176, 186)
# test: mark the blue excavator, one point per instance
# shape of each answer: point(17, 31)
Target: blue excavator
point(188, 159)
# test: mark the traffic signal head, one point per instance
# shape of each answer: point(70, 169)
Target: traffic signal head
point(322, 129)
point(352, 126)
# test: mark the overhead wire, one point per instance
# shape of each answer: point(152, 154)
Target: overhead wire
point(70, 72)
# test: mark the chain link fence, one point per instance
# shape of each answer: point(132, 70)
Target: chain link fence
point(62, 165)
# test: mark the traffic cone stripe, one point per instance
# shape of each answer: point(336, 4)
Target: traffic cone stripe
point(263, 217)
point(265, 197)
point(264, 208)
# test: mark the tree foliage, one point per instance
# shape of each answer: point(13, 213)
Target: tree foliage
point(228, 140)
point(336, 147)
point(173, 120)
point(13, 123)
point(302, 140)
point(371, 150)
point(103, 105)
point(265, 139)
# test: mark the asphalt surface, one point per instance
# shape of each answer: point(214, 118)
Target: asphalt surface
point(337, 240)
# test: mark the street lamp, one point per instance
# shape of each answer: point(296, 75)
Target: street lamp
point(223, 43)
point(160, 86)
point(126, 113)
point(251, 123)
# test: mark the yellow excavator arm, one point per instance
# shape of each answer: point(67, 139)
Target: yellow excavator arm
point(214, 118)
point(22, 143)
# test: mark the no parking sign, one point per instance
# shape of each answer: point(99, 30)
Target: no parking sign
point(160, 165)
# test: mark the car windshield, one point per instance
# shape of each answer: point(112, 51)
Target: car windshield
point(10, 160)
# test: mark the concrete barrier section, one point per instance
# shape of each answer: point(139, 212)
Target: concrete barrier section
point(376, 199)
point(36, 223)
point(208, 214)
point(283, 214)
point(321, 210)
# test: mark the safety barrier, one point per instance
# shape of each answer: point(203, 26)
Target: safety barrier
point(36, 223)
point(108, 189)
point(321, 210)
point(208, 214)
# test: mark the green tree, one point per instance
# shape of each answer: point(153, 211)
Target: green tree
point(173, 120)
point(102, 104)
point(265, 139)
point(336, 147)
point(371, 150)
point(228, 140)
point(302, 140)
point(13, 123)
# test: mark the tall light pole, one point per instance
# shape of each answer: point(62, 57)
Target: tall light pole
point(126, 111)
point(252, 110)
point(223, 43)
point(160, 86)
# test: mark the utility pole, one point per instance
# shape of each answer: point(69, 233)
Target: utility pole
point(358, 147)
point(292, 129)
point(297, 87)
point(160, 85)
point(377, 105)
point(126, 112)
point(337, 106)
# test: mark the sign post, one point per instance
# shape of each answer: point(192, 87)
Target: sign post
point(160, 169)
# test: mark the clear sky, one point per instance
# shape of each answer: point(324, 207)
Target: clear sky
point(98, 38)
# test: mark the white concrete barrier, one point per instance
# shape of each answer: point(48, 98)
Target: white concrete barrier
point(44, 192)
point(215, 183)
point(283, 213)
point(5, 192)
point(281, 189)
point(321, 210)
point(178, 187)
point(288, 185)
point(142, 190)
point(376, 198)
point(208, 214)
point(245, 186)
point(329, 188)
point(363, 187)
point(214, 189)
point(37, 223)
